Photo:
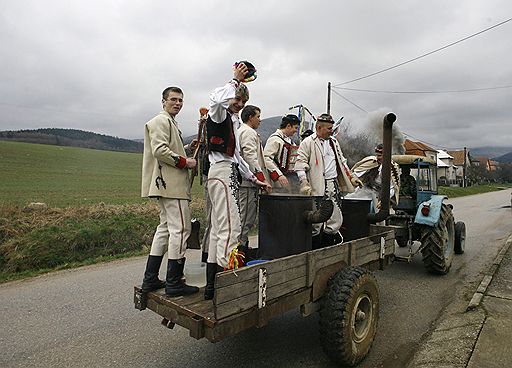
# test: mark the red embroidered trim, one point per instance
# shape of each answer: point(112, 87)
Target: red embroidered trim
point(182, 162)
point(274, 175)
point(260, 176)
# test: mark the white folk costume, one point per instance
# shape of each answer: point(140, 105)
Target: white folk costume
point(280, 156)
point(225, 166)
point(165, 176)
point(369, 171)
point(323, 164)
point(252, 153)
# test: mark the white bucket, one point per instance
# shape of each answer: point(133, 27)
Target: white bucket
point(195, 274)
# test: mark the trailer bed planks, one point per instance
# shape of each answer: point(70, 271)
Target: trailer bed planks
point(242, 300)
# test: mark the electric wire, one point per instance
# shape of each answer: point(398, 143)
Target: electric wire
point(346, 99)
point(424, 92)
point(426, 54)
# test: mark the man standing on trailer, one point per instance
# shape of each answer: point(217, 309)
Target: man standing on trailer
point(280, 152)
point(252, 153)
point(323, 173)
point(225, 166)
point(165, 177)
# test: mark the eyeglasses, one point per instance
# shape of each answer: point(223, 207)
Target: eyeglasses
point(175, 99)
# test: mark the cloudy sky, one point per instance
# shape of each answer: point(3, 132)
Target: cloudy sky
point(101, 65)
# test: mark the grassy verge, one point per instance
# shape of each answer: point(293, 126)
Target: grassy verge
point(453, 192)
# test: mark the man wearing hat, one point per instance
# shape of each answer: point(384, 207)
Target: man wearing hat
point(323, 172)
point(226, 165)
point(369, 171)
point(280, 153)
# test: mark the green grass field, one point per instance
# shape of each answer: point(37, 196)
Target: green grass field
point(94, 210)
point(69, 176)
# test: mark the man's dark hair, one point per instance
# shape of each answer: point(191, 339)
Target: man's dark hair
point(166, 91)
point(248, 112)
point(289, 119)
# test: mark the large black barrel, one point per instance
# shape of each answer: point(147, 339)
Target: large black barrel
point(282, 229)
point(355, 221)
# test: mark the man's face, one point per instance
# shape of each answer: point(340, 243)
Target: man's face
point(173, 103)
point(323, 130)
point(290, 130)
point(379, 157)
point(254, 121)
point(237, 104)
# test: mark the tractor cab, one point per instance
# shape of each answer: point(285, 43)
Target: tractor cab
point(418, 181)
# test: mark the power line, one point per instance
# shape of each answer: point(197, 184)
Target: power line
point(346, 99)
point(422, 56)
point(425, 92)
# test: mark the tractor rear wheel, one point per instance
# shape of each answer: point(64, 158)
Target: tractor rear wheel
point(460, 237)
point(349, 314)
point(438, 243)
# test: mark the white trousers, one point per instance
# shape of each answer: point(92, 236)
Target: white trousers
point(248, 199)
point(333, 225)
point(174, 229)
point(223, 189)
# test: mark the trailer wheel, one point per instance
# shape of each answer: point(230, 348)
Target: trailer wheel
point(460, 237)
point(438, 243)
point(349, 314)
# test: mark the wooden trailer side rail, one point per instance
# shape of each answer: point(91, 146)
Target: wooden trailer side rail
point(251, 296)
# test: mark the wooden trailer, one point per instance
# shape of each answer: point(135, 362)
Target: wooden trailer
point(336, 281)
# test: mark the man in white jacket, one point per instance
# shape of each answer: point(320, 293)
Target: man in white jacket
point(323, 173)
point(165, 176)
point(252, 153)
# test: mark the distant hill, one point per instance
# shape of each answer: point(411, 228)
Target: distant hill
point(490, 151)
point(73, 138)
point(505, 159)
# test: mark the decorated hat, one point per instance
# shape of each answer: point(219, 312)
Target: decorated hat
point(250, 75)
point(325, 118)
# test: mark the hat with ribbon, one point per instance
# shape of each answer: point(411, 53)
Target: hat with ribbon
point(250, 75)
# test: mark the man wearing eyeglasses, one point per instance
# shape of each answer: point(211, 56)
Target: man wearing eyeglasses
point(165, 177)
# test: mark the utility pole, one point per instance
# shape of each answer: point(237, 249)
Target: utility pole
point(464, 184)
point(329, 98)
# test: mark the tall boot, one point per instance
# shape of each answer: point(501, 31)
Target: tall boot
point(175, 286)
point(316, 241)
point(211, 271)
point(151, 281)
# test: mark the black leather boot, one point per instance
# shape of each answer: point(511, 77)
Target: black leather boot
point(151, 281)
point(211, 271)
point(175, 286)
point(316, 241)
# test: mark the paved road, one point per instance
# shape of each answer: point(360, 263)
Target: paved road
point(85, 317)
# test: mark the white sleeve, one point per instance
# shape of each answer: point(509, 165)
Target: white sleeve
point(219, 101)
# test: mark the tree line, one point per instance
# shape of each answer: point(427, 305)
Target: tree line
point(74, 138)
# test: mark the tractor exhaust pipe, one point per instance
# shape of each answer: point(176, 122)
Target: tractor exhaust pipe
point(383, 213)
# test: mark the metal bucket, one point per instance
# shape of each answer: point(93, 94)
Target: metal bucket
point(355, 221)
point(282, 229)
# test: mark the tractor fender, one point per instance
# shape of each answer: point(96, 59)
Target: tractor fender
point(435, 203)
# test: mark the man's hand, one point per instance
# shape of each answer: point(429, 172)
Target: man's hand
point(193, 145)
point(240, 71)
point(191, 163)
point(264, 185)
point(283, 181)
point(356, 182)
point(305, 188)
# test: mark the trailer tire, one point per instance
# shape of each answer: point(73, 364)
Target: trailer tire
point(349, 315)
point(438, 243)
point(460, 237)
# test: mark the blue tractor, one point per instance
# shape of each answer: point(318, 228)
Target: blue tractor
point(422, 215)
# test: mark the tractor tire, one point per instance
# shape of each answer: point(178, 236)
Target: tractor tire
point(438, 243)
point(460, 237)
point(349, 315)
